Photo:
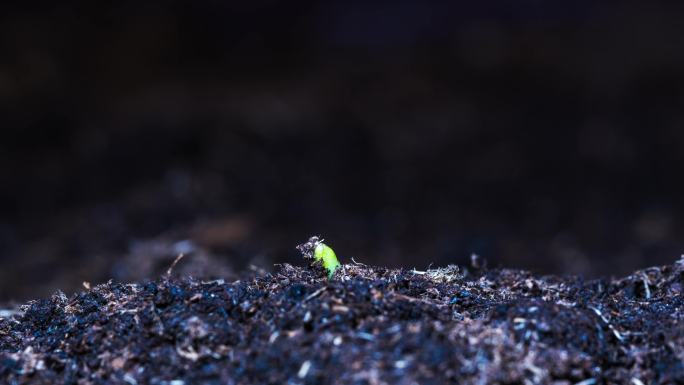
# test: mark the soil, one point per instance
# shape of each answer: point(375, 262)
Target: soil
point(367, 325)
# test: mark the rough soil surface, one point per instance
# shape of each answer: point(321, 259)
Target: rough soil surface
point(367, 325)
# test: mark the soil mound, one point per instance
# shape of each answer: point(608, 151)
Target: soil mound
point(367, 325)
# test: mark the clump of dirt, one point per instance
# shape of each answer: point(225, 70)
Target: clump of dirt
point(367, 325)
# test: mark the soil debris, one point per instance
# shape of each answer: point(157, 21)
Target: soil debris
point(367, 325)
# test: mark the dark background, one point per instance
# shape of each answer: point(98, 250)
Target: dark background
point(539, 136)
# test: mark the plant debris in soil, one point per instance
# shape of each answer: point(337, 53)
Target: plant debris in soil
point(366, 325)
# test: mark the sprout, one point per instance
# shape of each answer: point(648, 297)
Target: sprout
point(319, 251)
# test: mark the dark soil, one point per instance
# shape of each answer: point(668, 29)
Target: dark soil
point(368, 325)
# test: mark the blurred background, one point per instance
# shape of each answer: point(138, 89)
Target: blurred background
point(537, 135)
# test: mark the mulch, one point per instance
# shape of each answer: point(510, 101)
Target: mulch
point(366, 325)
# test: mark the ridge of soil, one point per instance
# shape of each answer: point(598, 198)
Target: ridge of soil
point(368, 325)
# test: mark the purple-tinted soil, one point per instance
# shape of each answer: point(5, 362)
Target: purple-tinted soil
point(368, 325)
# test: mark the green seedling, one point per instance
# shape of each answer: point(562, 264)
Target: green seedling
point(320, 252)
point(325, 254)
